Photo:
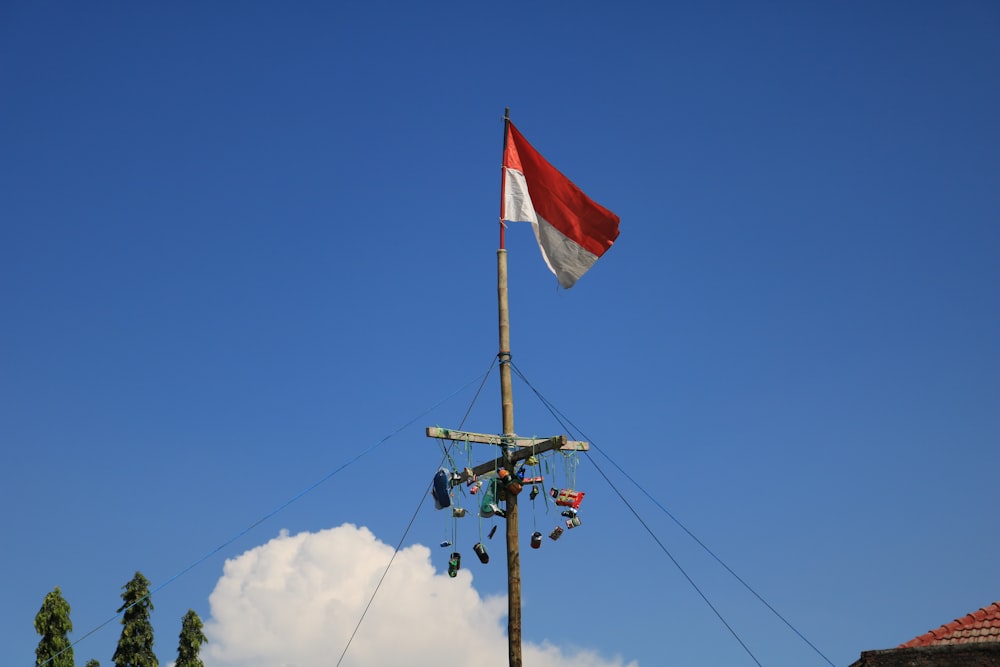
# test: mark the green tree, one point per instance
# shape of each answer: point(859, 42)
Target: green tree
point(93, 663)
point(135, 646)
point(191, 640)
point(53, 624)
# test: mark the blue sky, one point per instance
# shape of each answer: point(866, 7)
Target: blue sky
point(242, 243)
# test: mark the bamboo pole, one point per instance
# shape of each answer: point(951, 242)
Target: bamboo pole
point(507, 413)
point(507, 408)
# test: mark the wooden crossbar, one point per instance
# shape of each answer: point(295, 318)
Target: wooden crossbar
point(510, 441)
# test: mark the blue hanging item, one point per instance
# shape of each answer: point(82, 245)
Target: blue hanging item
point(442, 480)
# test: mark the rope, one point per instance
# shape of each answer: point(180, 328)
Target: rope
point(412, 519)
point(563, 421)
point(385, 572)
point(276, 510)
point(678, 565)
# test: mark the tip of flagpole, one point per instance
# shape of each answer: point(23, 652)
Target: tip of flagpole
point(506, 113)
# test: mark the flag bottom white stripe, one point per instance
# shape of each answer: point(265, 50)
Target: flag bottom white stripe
point(565, 257)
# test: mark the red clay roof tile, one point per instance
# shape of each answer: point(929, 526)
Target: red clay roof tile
point(979, 626)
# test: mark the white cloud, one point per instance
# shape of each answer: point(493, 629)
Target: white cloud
point(296, 600)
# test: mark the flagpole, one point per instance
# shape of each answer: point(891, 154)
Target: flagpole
point(507, 413)
point(599, 230)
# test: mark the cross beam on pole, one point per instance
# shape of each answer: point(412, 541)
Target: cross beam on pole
point(503, 440)
point(526, 447)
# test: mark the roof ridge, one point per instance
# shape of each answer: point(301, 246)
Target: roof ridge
point(982, 625)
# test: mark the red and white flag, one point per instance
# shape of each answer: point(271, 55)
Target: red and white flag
point(572, 229)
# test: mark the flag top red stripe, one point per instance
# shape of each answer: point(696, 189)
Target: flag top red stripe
point(556, 199)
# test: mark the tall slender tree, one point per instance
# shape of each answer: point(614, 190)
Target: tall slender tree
point(53, 624)
point(191, 640)
point(135, 646)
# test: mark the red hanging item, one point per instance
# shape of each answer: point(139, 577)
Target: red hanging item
point(568, 497)
point(511, 483)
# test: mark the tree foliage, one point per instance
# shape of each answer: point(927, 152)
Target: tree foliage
point(53, 624)
point(93, 663)
point(135, 646)
point(191, 640)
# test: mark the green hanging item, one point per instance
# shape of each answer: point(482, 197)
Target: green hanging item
point(488, 504)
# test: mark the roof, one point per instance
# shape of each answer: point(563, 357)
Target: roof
point(977, 627)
